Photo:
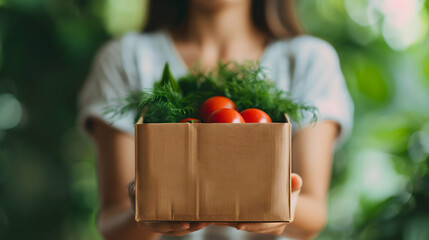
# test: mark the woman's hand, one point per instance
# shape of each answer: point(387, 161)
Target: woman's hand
point(166, 228)
point(183, 228)
point(272, 228)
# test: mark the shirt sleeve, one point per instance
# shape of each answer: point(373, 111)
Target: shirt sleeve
point(319, 81)
point(106, 84)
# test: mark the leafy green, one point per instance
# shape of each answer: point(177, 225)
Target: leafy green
point(248, 87)
point(168, 79)
point(246, 84)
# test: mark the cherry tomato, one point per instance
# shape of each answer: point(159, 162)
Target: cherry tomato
point(212, 104)
point(225, 115)
point(253, 115)
point(190, 120)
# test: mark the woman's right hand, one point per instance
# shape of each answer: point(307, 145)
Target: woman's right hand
point(166, 228)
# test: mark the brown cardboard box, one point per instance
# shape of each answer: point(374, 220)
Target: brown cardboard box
point(228, 172)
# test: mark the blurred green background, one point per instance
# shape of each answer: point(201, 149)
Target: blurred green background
point(48, 188)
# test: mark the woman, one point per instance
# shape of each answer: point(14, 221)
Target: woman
point(184, 33)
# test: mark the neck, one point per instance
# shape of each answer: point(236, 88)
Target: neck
point(220, 26)
point(225, 33)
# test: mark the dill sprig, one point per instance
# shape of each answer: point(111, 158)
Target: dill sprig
point(170, 101)
point(248, 87)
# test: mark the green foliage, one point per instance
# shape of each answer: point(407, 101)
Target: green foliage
point(164, 105)
point(371, 82)
point(246, 85)
point(254, 90)
point(168, 79)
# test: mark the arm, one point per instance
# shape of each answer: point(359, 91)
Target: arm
point(308, 201)
point(312, 159)
point(115, 166)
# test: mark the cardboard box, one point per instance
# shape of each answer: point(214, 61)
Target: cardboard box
point(228, 172)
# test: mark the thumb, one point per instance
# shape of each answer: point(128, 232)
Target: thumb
point(296, 182)
point(132, 188)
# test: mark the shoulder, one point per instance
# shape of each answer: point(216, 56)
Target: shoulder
point(314, 50)
point(127, 44)
point(134, 56)
point(306, 48)
point(311, 44)
point(145, 40)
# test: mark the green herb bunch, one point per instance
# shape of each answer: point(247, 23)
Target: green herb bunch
point(170, 101)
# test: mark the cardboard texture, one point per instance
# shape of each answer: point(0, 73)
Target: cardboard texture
point(224, 172)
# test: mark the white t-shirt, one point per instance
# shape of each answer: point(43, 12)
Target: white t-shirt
point(306, 66)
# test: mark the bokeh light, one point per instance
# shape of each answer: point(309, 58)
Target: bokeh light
point(418, 145)
point(125, 15)
point(10, 111)
point(402, 22)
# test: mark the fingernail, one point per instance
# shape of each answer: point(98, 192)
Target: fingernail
point(132, 187)
point(241, 227)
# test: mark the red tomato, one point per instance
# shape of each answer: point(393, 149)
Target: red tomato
point(212, 104)
point(225, 115)
point(253, 115)
point(190, 120)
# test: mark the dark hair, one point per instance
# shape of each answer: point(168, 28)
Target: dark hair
point(276, 18)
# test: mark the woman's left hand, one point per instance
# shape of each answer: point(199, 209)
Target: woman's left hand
point(274, 228)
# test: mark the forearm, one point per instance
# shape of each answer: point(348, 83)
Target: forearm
point(312, 160)
point(310, 218)
point(120, 224)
